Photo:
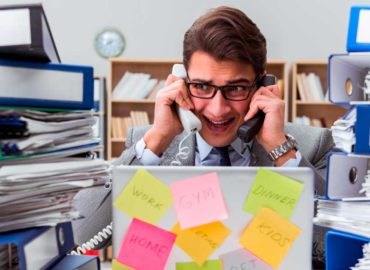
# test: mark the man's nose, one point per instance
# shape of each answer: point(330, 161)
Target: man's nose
point(219, 104)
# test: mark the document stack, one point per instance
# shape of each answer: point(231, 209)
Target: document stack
point(346, 209)
point(47, 145)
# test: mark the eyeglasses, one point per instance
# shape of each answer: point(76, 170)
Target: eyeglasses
point(229, 92)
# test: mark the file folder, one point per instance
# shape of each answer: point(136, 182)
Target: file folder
point(358, 37)
point(26, 35)
point(46, 85)
point(40, 247)
point(346, 75)
point(72, 262)
point(345, 175)
point(343, 249)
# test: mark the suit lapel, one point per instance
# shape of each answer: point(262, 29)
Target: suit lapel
point(259, 156)
point(173, 150)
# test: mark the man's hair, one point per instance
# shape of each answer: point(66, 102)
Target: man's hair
point(227, 34)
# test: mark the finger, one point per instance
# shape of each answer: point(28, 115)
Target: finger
point(274, 89)
point(171, 79)
point(184, 101)
point(259, 102)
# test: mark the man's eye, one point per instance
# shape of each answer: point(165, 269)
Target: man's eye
point(235, 88)
point(201, 86)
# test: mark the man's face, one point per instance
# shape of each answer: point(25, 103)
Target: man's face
point(220, 118)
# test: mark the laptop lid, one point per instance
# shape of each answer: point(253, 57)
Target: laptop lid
point(235, 183)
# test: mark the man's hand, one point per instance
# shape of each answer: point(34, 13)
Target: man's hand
point(268, 100)
point(166, 122)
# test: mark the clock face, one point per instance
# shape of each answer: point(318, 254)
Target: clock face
point(110, 43)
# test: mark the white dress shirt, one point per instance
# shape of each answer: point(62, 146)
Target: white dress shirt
point(207, 155)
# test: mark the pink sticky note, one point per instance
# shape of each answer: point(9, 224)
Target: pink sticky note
point(145, 246)
point(198, 200)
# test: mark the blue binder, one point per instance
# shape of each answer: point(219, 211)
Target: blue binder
point(362, 130)
point(72, 262)
point(32, 84)
point(40, 247)
point(343, 249)
point(356, 24)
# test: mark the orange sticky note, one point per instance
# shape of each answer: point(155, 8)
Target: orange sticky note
point(201, 241)
point(269, 236)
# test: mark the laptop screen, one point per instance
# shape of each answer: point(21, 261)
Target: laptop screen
point(173, 217)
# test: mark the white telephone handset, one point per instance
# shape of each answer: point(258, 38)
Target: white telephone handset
point(189, 121)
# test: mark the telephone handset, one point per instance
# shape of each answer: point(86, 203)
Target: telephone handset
point(249, 129)
point(189, 121)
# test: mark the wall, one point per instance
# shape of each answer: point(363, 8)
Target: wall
point(294, 29)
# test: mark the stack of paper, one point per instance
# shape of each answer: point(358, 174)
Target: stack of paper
point(37, 195)
point(364, 262)
point(55, 133)
point(343, 131)
point(366, 185)
point(352, 217)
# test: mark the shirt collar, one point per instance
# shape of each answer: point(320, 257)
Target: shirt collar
point(238, 145)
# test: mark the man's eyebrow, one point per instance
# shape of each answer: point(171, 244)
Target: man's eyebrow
point(239, 81)
point(200, 81)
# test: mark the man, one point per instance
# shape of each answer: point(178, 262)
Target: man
point(225, 58)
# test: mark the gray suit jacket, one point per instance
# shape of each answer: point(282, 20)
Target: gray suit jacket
point(313, 143)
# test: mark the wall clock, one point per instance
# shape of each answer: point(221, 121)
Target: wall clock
point(109, 43)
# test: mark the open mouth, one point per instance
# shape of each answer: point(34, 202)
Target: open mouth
point(219, 126)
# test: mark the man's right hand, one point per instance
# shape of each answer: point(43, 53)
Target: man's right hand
point(166, 124)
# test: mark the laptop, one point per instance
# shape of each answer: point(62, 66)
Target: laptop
point(235, 183)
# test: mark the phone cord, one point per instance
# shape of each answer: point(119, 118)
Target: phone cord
point(183, 152)
point(97, 239)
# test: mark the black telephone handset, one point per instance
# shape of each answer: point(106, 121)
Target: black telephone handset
point(249, 129)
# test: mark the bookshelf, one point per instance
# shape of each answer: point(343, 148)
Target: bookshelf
point(100, 105)
point(158, 69)
point(313, 109)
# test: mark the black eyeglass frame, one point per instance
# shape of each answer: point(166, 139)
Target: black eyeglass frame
point(251, 88)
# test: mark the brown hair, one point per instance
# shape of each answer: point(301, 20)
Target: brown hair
point(227, 34)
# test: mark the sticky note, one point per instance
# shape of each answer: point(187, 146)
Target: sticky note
point(208, 265)
point(198, 200)
point(145, 246)
point(200, 242)
point(275, 191)
point(269, 236)
point(119, 266)
point(242, 259)
point(145, 197)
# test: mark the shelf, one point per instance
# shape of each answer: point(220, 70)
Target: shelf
point(322, 110)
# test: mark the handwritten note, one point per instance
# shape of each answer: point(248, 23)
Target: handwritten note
point(242, 259)
point(208, 265)
point(145, 197)
point(198, 200)
point(144, 240)
point(119, 266)
point(275, 191)
point(200, 242)
point(269, 236)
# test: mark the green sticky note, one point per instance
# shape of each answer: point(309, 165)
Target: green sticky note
point(275, 191)
point(116, 265)
point(145, 197)
point(208, 265)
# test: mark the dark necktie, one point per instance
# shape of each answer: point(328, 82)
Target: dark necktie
point(224, 153)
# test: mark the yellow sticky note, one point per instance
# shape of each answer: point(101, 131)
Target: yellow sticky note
point(145, 197)
point(269, 236)
point(201, 241)
point(119, 266)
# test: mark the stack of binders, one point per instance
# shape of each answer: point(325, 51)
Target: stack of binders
point(47, 145)
point(345, 210)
